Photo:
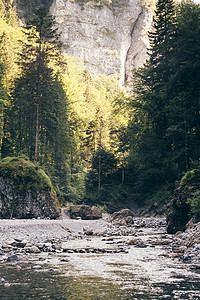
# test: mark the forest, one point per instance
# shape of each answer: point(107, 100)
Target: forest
point(98, 143)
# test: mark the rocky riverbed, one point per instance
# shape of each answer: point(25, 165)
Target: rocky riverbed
point(140, 255)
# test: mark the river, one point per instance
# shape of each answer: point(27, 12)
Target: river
point(137, 266)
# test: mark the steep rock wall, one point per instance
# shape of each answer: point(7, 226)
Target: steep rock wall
point(29, 204)
point(109, 41)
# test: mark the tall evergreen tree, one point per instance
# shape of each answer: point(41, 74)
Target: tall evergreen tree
point(184, 119)
point(37, 116)
point(148, 149)
point(155, 74)
point(30, 98)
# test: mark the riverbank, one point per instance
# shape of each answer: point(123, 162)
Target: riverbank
point(141, 254)
point(22, 237)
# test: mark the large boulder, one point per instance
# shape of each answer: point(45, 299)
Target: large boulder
point(178, 215)
point(123, 217)
point(85, 212)
point(25, 191)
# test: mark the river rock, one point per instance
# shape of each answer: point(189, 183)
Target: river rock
point(34, 249)
point(13, 257)
point(87, 230)
point(85, 212)
point(123, 217)
point(2, 280)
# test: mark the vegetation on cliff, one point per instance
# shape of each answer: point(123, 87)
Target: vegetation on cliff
point(26, 8)
point(185, 202)
point(190, 184)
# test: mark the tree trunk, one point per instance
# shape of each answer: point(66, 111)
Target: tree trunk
point(99, 181)
point(36, 134)
point(123, 174)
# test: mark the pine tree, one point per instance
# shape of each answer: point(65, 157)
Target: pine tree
point(184, 119)
point(155, 74)
point(42, 46)
point(148, 147)
point(38, 111)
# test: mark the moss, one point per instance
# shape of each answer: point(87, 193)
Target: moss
point(24, 174)
point(190, 179)
point(107, 32)
point(190, 184)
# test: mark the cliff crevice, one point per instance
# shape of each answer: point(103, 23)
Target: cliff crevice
point(111, 42)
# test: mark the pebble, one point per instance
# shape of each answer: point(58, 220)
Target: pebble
point(2, 280)
point(182, 245)
point(7, 284)
point(13, 257)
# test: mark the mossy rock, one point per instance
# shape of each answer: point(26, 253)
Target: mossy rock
point(24, 174)
point(185, 202)
point(25, 190)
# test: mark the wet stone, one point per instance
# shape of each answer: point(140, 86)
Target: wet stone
point(11, 258)
point(37, 267)
point(64, 260)
point(34, 249)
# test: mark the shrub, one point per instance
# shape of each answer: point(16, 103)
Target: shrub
point(194, 202)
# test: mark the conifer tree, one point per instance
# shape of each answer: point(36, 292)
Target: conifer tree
point(38, 111)
point(37, 78)
point(155, 74)
point(183, 130)
point(148, 149)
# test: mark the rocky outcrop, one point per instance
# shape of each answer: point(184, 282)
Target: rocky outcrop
point(29, 204)
point(178, 215)
point(85, 212)
point(109, 41)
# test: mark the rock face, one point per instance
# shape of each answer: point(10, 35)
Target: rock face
point(178, 215)
point(13, 204)
point(109, 41)
point(85, 212)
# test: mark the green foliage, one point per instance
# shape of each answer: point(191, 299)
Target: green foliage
point(98, 144)
point(27, 7)
point(24, 174)
point(194, 202)
point(36, 122)
point(108, 162)
point(111, 196)
point(190, 184)
point(191, 177)
point(164, 131)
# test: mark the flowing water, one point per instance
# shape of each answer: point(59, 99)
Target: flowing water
point(137, 273)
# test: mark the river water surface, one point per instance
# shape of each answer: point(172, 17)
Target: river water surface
point(146, 272)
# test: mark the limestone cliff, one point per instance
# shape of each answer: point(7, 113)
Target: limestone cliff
point(109, 41)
